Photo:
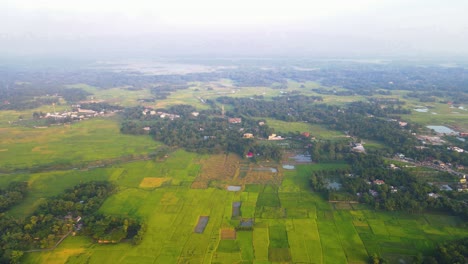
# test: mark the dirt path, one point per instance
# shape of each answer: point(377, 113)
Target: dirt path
point(52, 248)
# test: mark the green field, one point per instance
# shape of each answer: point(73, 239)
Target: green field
point(314, 129)
point(90, 140)
point(292, 224)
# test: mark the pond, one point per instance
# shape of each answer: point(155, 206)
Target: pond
point(333, 186)
point(302, 158)
point(442, 129)
point(421, 110)
point(232, 188)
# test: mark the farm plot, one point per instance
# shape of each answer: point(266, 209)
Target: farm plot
point(87, 141)
point(280, 226)
point(153, 182)
point(217, 170)
point(254, 174)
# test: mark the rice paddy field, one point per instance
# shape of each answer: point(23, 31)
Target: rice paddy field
point(442, 115)
point(185, 202)
point(286, 222)
point(90, 140)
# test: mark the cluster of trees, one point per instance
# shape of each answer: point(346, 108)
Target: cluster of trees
point(111, 229)
point(206, 133)
point(100, 107)
point(20, 96)
point(13, 194)
point(287, 108)
point(327, 150)
point(73, 95)
point(401, 191)
point(360, 119)
point(162, 91)
point(75, 209)
point(452, 252)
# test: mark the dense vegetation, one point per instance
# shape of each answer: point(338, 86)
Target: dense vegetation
point(452, 252)
point(73, 211)
point(401, 189)
point(204, 134)
point(12, 195)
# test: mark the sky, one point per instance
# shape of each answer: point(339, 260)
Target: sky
point(240, 28)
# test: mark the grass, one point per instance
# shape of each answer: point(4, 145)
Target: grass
point(245, 241)
point(438, 114)
point(228, 246)
point(86, 141)
point(116, 95)
point(260, 243)
point(314, 129)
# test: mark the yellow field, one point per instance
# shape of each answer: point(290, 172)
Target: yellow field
point(153, 182)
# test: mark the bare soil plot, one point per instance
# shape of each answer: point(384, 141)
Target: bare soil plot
point(225, 170)
point(222, 168)
point(228, 233)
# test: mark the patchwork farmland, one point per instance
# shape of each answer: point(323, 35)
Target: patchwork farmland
point(279, 221)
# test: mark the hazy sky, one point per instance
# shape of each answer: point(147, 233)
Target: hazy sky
point(335, 28)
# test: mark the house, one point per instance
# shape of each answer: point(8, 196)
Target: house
point(379, 182)
point(403, 124)
point(235, 120)
point(358, 147)
point(445, 187)
point(274, 137)
point(195, 114)
point(249, 154)
point(457, 149)
point(248, 135)
point(306, 134)
point(86, 111)
point(462, 134)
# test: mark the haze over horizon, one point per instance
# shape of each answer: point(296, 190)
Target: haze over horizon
point(362, 28)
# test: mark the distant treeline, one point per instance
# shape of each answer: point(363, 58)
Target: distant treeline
point(20, 87)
